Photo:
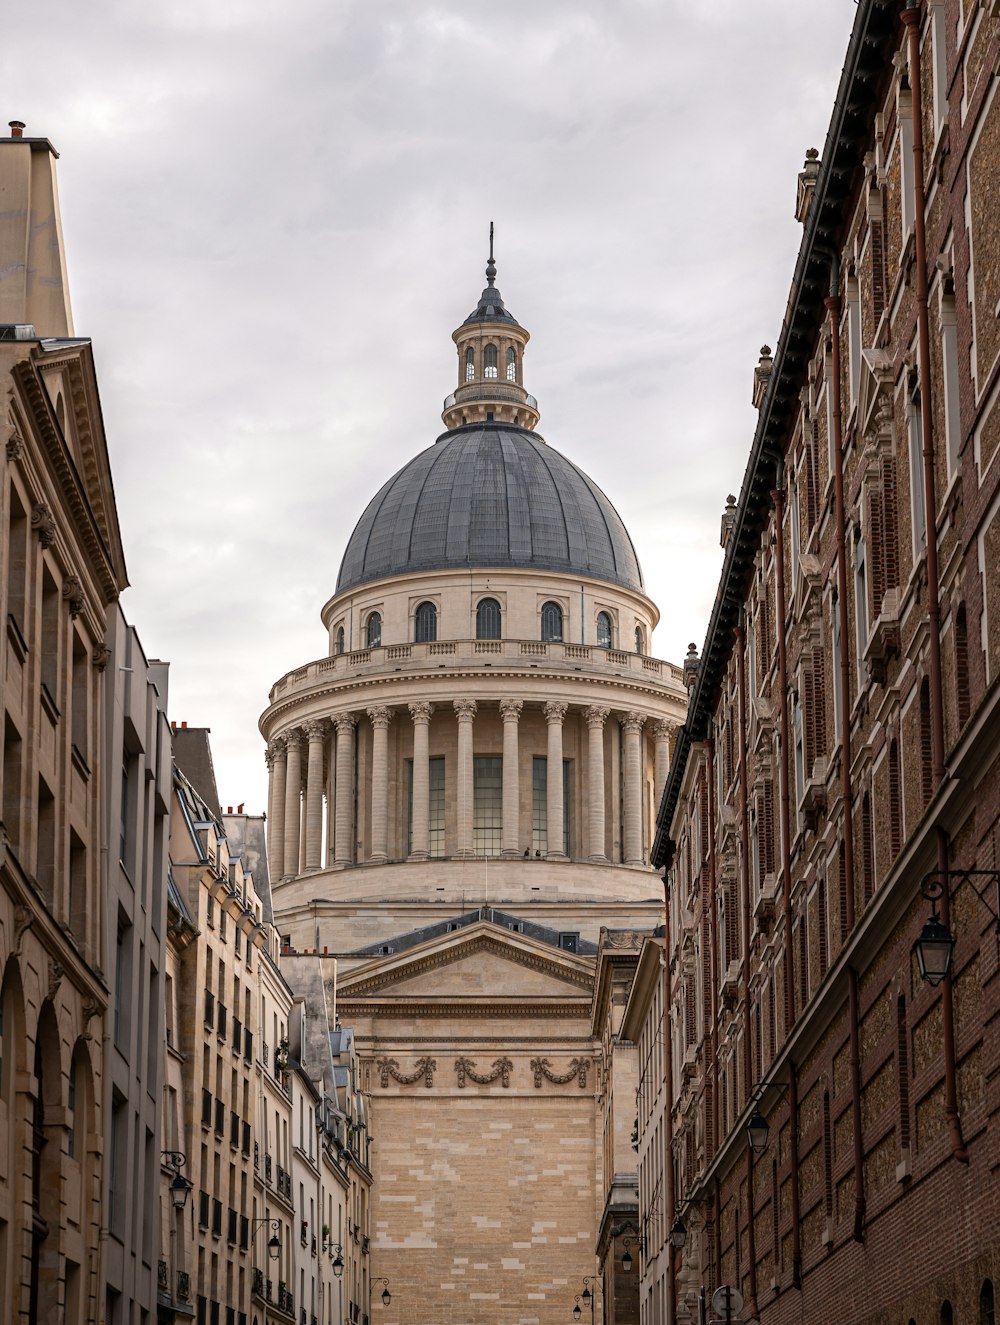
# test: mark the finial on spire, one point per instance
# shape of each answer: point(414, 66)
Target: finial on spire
point(491, 269)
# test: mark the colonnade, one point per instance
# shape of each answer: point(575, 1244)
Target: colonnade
point(298, 776)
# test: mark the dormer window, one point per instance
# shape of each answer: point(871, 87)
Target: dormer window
point(603, 630)
point(373, 631)
point(552, 622)
point(425, 624)
point(470, 365)
point(490, 361)
point(511, 364)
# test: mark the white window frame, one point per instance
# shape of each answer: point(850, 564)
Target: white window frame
point(915, 453)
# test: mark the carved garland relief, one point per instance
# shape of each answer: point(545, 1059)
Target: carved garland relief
point(502, 1070)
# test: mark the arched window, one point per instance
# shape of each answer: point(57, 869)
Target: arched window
point(426, 623)
point(603, 630)
point(511, 364)
point(552, 621)
point(640, 640)
point(946, 1315)
point(373, 631)
point(987, 1304)
point(490, 361)
point(470, 365)
point(340, 639)
point(488, 619)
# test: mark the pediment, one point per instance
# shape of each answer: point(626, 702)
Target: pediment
point(480, 962)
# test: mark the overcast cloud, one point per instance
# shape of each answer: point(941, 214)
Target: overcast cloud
point(276, 214)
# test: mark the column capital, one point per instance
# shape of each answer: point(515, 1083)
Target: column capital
point(345, 723)
point(663, 730)
point(555, 711)
point(595, 716)
point(632, 721)
point(275, 748)
point(510, 709)
point(465, 709)
point(379, 715)
point(315, 729)
point(295, 739)
point(421, 710)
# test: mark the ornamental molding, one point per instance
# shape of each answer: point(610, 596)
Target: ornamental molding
point(623, 938)
point(579, 1010)
point(421, 711)
point(294, 739)
point(380, 715)
point(43, 523)
point(72, 592)
point(423, 1071)
point(510, 709)
point(447, 956)
point(578, 1068)
point(345, 723)
point(596, 716)
point(632, 721)
point(101, 657)
point(466, 1069)
point(315, 729)
point(465, 709)
point(555, 711)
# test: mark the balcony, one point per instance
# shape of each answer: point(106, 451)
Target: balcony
point(731, 984)
point(765, 905)
point(523, 655)
point(162, 1277)
point(267, 1169)
point(284, 1183)
point(183, 1286)
point(257, 1282)
point(883, 639)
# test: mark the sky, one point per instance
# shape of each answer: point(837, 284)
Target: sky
point(275, 216)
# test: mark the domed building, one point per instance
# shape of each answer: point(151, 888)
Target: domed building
point(461, 806)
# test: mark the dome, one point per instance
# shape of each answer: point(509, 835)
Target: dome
point(490, 495)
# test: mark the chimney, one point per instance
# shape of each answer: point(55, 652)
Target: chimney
point(35, 288)
point(239, 808)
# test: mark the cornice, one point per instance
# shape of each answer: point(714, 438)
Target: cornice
point(358, 983)
point(577, 1011)
point(435, 679)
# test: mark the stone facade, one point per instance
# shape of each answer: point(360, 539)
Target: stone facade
point(461, 803)
point(839, 755)
point(62, 570)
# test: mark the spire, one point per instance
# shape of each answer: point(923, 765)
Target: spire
point(491, 267)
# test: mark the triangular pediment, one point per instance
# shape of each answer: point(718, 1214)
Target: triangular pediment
point(479, 962)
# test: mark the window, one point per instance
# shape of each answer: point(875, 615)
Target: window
point(949, 356)
point(490, 361)
point(800, 767)
point(861, 596)
point(854, 337)
point(373, 631)
point(987, 1304)
point(487, 804)
point(603, 630)
point(488, 619)
point(50, 637)
point(425, 623)
point(916, 448)
point(340, 639)
point(540, 806)
point(905, 148)
point(552, 621)
point(838, 677)
point(435, 806)
point(640, 640)
point(17, 560)
point(511, 364)
point(470, 365)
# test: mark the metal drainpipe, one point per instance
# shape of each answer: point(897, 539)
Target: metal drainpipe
point(911, 21)
point(745, 890)
point(668, 1102)
point(718, 1232)
point(714, 936)
point(778, 497)
point(833, 304)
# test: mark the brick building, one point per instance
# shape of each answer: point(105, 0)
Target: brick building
point(842, 742)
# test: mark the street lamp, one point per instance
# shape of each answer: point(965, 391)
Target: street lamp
point(936, 943)
point(386, 1295)
point(587, 1296)
point(179, 1187)
point(274, 1242)
point(338, 1260)
point(758, 1128)
point(639, 1240)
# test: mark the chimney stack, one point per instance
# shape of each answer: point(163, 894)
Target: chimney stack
point(16, 128)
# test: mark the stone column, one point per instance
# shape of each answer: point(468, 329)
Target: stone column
point(554, 808)
point(277, 754)
point(661, 764)
point(510, 711)
point(343, 842)
point(331, 782)
point(315, 730)
point(420, 843)
point(595, 782)
point(293, 803)
point(380, 717)
point(632, 722)
point(465, 710)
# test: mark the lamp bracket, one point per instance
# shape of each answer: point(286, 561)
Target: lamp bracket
point(933, 885)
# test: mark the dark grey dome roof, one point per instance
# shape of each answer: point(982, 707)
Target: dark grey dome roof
point(490, 309)
point(490, 495)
